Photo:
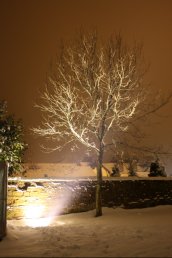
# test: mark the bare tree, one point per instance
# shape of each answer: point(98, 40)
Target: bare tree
point(95, 93)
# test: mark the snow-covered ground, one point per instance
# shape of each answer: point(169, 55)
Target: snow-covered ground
point(118, 233)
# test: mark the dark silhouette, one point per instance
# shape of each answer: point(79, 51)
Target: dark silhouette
point(132, 167)
point(115, 171)
point(156, 169)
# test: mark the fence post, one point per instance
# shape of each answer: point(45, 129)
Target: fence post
point(3, 198)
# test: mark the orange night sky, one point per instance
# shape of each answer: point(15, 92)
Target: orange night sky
point(30, 34)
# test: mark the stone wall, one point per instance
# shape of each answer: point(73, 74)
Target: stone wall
point(49, 197)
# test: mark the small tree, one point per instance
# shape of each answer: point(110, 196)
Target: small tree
point(12, 146)
point(137, 154)
point(93, 96)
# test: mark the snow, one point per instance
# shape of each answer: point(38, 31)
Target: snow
point(118, 233)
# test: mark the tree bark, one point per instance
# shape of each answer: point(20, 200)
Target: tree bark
point(99, 185)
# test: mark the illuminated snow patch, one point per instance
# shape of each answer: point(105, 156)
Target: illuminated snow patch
point(39, 222)
point(33, 216)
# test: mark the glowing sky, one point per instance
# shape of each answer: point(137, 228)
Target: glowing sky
point(30, 35)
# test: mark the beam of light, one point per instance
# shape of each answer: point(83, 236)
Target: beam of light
point(43, 215)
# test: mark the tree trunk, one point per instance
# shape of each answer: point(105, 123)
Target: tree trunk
point(98, 186)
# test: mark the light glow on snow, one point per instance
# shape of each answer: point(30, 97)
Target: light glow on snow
point(33, 212)
point(39, 222)
point(33, 216)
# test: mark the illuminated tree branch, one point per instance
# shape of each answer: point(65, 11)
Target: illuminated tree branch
point(96, 91)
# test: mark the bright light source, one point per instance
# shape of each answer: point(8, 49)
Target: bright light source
point(42, 215)
point(33, 216)
point(33, 212)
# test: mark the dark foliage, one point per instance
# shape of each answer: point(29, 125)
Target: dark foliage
point(12, 146)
